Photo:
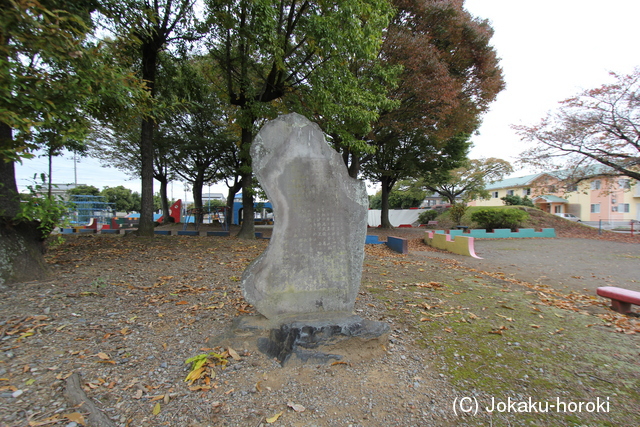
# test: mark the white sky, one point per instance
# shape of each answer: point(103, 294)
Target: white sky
point(549, 50)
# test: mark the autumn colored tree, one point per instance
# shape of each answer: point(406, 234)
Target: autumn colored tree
point(450, 76)
point(468, 181)
point(596, 132)
point(144, 29)
point(277, 50)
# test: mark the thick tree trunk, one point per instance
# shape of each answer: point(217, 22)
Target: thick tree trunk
point(197, 199)
point(149, 66)
point(384, 212)
point(145, 228)
point(248, 230)
point(21, 245)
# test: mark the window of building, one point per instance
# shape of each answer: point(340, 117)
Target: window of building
point(625, 184)
point(509, 192)
point(557, 209)
point(595, 184)
point(494, 194)
point(614, 209)
point(572, 187)
point(623, 207)
point(526, 192)
point(595, 208)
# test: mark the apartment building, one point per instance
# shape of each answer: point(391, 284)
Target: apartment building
point(603, 198)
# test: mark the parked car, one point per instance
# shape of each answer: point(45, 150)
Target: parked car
point(570, 217)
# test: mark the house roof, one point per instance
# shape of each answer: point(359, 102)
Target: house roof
point(519, 181)
point(551, 199)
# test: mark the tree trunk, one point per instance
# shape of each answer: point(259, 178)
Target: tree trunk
point(166, 218)
point(231, 197)
point(384, 212)
point(21, 245)
point(197, 199)
point(247, 230)
point(145, 228)
point(149, 52)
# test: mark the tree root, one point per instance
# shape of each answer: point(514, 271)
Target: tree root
point(77, 397)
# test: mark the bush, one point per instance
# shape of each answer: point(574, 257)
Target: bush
point(457, 211)
point(517, 201)
point(499, 218)
point(427, 216)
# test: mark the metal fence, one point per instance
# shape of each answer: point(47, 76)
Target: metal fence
point(626, 226)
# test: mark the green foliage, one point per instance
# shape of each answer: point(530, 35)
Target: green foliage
point(375, 201)
point(123, 198)
point(517, 201)
point(457, 211)
point(499, 218)
point(427, 216)
point(405, 199)
point(84, 190)
point(46, 211)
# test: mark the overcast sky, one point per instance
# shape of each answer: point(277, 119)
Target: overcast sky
point(549, 50)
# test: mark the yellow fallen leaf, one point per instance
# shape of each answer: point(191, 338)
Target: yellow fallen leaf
point(158, 397)
point(534, 326)
point(156, 409)
point(76, 417)
point(103, 356)
point(234, 354)
point(273, 419)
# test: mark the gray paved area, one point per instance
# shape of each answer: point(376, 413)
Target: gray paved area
point(564, 264)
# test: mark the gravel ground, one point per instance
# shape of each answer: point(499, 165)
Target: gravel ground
point(564, 263)
point(125, 313)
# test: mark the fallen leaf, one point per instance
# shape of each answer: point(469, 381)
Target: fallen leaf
point(75, 417)
point(534, 326)
point(273, 419)
point(296, 407)
point(234, 354)
point(156, 409)
point(138, 394)
point(103, 356)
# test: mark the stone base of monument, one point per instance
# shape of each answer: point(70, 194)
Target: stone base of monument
point(318, 338)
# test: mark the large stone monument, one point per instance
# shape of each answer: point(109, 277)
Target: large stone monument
point(314, 261)
point(307, 280)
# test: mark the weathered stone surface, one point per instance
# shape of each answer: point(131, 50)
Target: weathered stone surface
point(313, 263)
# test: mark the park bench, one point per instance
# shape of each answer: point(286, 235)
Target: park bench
point(621, 299)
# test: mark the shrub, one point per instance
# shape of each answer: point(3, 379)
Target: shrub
point(427, 216)
point(457, 211)
point(499, 218)
point(517, 201)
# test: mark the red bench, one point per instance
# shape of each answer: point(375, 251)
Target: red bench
point(621, 299)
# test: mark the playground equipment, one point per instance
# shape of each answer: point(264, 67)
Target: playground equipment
point(86, 207)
